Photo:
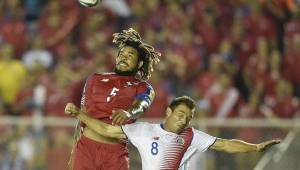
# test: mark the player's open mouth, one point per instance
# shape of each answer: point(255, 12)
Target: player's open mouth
point(123, 64)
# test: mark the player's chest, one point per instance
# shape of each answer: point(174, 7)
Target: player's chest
point(106, 90)
point(158, 145)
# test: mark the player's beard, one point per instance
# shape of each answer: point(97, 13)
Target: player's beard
point(126, 73)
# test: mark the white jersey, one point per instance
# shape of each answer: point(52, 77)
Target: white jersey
point(163, 150)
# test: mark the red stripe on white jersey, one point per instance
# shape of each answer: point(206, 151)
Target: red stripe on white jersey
point(174, 152)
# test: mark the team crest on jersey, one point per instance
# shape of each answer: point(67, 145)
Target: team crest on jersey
point(104, 80)
point(128, 83)
point(180, 140)
point(155, 138)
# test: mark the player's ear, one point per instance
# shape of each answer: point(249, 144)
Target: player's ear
point(140, 64)
point(193, 112)
point(168, 111)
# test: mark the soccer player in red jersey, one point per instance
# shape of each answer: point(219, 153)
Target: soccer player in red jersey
point(115, 98)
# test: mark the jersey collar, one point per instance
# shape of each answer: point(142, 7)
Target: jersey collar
point(162, 128)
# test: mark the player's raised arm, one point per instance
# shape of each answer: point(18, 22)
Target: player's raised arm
point(95, 124)
point(141, 103)
point(239, 146)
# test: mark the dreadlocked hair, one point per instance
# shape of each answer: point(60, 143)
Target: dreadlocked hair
point(147, 54)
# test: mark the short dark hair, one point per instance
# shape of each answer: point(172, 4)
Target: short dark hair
point(188, 101)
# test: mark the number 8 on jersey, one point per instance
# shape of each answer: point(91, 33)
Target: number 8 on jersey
point(154, 148)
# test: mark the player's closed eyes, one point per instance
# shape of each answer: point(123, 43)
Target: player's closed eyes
point(121, 55)
point(181, 113)
point(181, 116)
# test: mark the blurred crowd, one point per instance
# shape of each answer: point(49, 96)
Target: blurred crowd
point(237, 58)
point(24, 149)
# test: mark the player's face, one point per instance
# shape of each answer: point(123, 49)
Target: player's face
point(179, 118)
point(127, 59)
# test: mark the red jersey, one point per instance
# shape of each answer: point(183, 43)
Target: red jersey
point(104, 93)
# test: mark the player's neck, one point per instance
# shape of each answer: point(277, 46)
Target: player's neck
point(125, 73)
point(165, 127)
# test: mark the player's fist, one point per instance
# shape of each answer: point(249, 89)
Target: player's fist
point(119, 117)
point(72, 109)
point(266, 145)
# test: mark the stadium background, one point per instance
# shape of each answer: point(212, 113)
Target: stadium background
point(238, 58)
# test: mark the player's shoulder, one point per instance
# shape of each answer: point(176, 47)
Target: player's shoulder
point(97, 75)
point(201, 135)
point(104, 74)
point(196, 130)
point(144, 83)
point(138, 129)
point(144, 125)
point(140, 80)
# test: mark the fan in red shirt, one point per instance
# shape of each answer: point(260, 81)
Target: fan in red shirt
point(291, 62)
point(115, 98)
point(283, 104)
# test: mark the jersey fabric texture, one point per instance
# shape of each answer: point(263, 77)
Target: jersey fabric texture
point(163, 150)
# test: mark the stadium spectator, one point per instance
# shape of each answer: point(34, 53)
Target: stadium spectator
point(12, 159)
point(57, 22)
point(37, 54)
point(13, 75)
point(13, 29)
point(291, 62)
point(283, 104)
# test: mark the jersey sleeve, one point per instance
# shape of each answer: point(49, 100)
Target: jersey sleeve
point(202, 141)
point(86, 90)
point(146, 93)
point(134, 131)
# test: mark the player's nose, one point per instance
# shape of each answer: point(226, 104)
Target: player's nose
point(182, 121)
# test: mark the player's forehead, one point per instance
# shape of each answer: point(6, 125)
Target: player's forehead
point(129, 49)
point(183, 108)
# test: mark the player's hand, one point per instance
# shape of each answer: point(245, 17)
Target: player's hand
point(72, 110)
point(119, 117)
point(266, 145)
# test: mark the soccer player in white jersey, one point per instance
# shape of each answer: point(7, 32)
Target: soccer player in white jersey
point(171, 144)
